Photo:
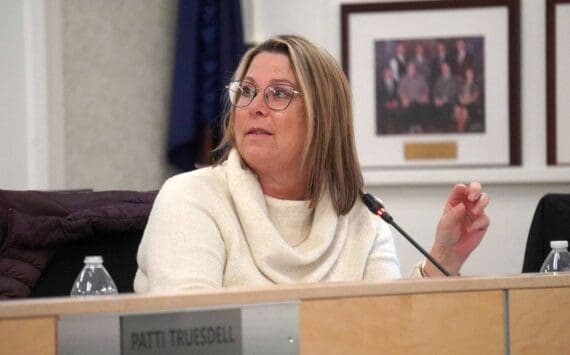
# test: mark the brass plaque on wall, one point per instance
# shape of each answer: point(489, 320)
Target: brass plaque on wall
point(430, 151)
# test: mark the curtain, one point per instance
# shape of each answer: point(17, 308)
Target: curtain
point(209, 45)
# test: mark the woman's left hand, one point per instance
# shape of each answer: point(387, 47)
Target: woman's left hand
point(460, 229)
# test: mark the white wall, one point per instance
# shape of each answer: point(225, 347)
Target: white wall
point(25, 154)
point(13, 147)
point(117, 73)
point(23, 118)
point(85, 93)
point(417, 202)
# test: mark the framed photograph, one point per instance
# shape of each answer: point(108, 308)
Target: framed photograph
point(435, 83)
point(558, 81)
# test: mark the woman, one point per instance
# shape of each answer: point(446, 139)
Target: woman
point(467, 102)
point(282, 204)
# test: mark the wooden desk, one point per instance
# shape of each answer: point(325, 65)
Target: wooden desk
point(523, 314)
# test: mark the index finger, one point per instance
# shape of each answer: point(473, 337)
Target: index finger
point(457, 195)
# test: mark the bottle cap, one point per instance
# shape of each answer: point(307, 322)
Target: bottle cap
point(93, 259)
point(559, 244)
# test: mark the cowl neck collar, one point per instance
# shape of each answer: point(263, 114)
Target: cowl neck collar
point(309, 261)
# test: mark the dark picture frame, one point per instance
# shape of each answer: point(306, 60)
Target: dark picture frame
point(446, 149)
point(553, 156)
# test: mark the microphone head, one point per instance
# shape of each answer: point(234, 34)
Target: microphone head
point(376, 207)
point(371, 202)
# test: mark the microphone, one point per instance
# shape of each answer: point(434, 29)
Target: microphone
point(378, 209)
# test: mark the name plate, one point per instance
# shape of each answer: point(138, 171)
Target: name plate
point(216, 332)
point(267, 328)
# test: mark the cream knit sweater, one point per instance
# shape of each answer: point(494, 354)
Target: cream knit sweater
point(214, 227)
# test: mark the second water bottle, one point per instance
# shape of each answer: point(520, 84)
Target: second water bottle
point(558, 260)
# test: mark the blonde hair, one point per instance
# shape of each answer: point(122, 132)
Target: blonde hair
point(329, 152)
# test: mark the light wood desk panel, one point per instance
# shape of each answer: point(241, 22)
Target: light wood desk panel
point(441, 323)
point(540, 321)
point(28, 336)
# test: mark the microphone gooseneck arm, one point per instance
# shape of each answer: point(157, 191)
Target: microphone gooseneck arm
point(378, 209)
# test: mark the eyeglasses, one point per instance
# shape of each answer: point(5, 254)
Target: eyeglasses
point(277, 96)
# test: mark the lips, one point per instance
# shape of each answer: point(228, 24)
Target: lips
point(258, 131)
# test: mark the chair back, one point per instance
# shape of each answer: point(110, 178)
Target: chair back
point(551, 221)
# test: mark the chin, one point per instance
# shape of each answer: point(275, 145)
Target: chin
point(255, 157)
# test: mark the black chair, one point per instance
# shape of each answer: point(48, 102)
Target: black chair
point(551, 221)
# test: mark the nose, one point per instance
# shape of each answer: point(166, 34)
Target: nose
point(258, 106)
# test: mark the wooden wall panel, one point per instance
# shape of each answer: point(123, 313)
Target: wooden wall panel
point(539, 321)
point(441, 323)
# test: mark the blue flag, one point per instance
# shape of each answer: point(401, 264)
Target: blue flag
point(208, 48)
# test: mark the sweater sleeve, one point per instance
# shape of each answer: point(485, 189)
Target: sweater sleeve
point(382, 261)
point(182, 247)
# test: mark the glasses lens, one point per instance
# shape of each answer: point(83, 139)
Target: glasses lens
point(241, 93)
point(278, 97)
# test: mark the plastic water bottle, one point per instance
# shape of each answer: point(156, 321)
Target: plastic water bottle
point(93, 279)
point(558, 260)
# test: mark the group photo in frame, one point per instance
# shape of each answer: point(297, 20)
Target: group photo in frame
point(430, 85)
point(558, 81)
point(435, 83)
